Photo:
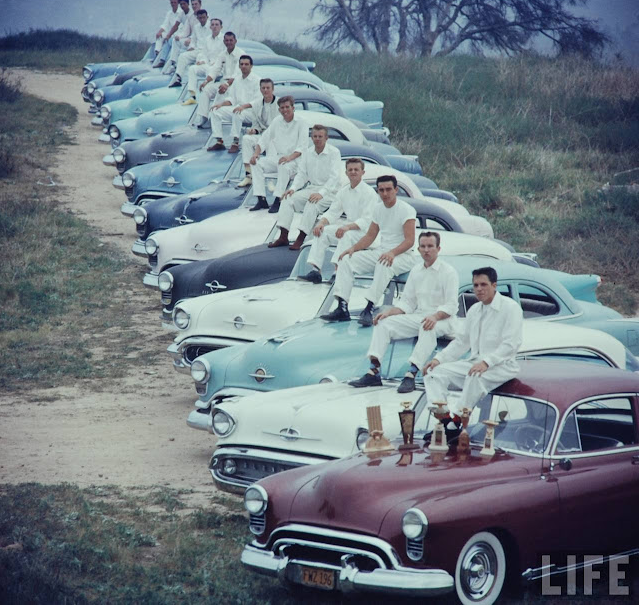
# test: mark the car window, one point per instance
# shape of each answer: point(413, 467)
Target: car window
point(336, 134)
point(432, 225)
point(569, 353)
point(402, 192)
point(598, 425)
point(299, 105)
point(317, 106)
point(535, 302)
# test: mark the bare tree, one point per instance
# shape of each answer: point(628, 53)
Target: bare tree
point(439, 27)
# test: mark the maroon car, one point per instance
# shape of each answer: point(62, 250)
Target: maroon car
point(563, 481)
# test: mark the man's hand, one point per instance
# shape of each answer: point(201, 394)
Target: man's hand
point(251, 131)
point(222, 89)
point(238, 109)
point(288, 193)
point(252, 160)
point(430, 365)
point(215, 107)
point(315, 197)
point(200, 62)
point(318, 229)
point(203, 85)
point(429, 322)
point(285, 159)
point(159, 33)
point(187, 41)
point(478, 368)
point(340, 232)
point(387, 258)
point(348, 252)
point(380, 316)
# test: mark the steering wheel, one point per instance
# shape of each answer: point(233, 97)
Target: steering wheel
point(530, 438)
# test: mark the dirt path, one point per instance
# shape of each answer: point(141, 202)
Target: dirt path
point(128, 432)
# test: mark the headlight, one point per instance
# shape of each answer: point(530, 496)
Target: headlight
point(98, 96)
point(105, 112)
point(181, 318)
point(414, 524)
point(91, 87)
point(128, 179)
point(361, 438)
point(222, 423)
point(87, 73)
point(255, 500)
point(140, 215)
point(165, 281)
point(114, 132)
point(200, 370)
point(229, 467)
point(119, 155)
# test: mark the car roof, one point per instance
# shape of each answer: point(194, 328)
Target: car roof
point(330, 120)
point(565, 382)
point(300, 93)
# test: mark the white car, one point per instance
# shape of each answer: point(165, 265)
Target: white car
point(238, 229)
point(224, 319)
point(262, 434)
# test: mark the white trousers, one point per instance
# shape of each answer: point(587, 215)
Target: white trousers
point(158, 44)
point(249, 144)
point(270, 164)
point(209, 93)
point(474, 387)
point(195, 72)
point(225, 114)
point(298, 202)
point(408, 325)
point(177, 48)
point(365, 262)
point(328, 238)
point(185, 61)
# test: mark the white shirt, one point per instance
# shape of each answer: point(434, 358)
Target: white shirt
point(319, 170)
point(431, 289)
point(391, 222)
point(262, 114)
point(243, 89)
point(226, 64)
point(213, 47)
point(492, 333)
point(170, 18)
point(356, 203)
point(184, 28)
point(284, 138)
point(199, 35)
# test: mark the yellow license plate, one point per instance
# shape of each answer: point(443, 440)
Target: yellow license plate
point(318, 578)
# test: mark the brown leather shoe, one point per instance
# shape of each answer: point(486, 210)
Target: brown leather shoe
point(217, 147)
point(299, 241)
point(283, 239)
point(233, 148)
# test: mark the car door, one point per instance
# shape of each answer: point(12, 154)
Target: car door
point(596, 458)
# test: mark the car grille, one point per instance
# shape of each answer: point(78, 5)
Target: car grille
point(143, 230)
point(414, 549)
point(249, 470)
point(191, 352)
point(165, 297)
point(153, 261)
point(257, 523)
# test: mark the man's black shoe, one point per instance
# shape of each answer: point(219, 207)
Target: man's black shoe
point(365, 318)
point(337, 314)
point(313, 276)
point(367, 380)
point(261, 204)
point(176, 83)
point(275, 207)
point(407, 385)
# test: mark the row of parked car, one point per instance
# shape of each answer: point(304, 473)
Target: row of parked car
point(325, 513)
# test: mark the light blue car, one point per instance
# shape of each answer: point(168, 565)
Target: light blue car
point(316, 351)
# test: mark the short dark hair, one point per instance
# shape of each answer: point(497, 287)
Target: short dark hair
point(266, 81)
point(355, 161)
point(202, 11)
point(286, 99)
point(490, 272)
point(433, 234)
point(384, 178)
point(320, 127)
point(251, 61)
point(180, 1)
point(217, 19)
point(232, 34)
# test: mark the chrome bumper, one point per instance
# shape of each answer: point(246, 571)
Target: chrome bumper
point(117, 183)
point(128, 208)
point(175, 352)
point(400, 581)
point(108, 160)
point(97, 121)
point(138, 247)
point(104, 138)
point(151, 281)
point(200, 420)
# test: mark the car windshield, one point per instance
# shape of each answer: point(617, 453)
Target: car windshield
point(524, 425)
point(301, 267)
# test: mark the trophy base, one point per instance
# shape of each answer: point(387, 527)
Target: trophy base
point(438, 448)
point(408, 446)
point(487, 452)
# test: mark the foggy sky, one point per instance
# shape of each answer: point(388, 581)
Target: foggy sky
point(139, 19)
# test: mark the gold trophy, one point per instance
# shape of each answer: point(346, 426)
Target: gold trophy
point(407, 417)
point(376, 442)
point(438, 443)
point(463, 448)
point(488, 443)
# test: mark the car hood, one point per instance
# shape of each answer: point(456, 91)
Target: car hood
point(321, 420)
point(358, 493)
point(159, 120)
point(250, 313)
point(152, 99)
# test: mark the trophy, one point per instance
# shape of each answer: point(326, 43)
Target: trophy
point(488, 443)
point(463, 447)
point(376, 442)
point(407, 417)
point(438, 442)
